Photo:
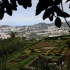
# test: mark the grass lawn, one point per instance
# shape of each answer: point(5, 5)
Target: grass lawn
point(13, 56)
point(21, 63)
point(24, 62)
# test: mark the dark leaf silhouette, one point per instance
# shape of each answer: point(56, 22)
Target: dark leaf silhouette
point(13, 4)
point(57, 10)
point(24, 3)
point(58, 22)
point(19, 2)
point(42, 5)
point(13, 1)
point(5, 3)
point(29, 3)
point(40, 8)
point(47, 3)
point(50, 6)
point(60, 12)
point(69, 5)
point(51, 18)
point(10, 5)
point(64, 14)
point(14, 7)
point(67, 0)
point(1, 13)
point(9, 10)
point(47, 13)
point(57, 2)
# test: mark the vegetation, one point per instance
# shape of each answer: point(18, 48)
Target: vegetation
point(10, 46)
point(53, 8)
point(17, 53)
point(41, 64)
point(68, 43)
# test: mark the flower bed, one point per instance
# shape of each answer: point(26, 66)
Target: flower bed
point(22, 57)
point(54, 60)
point(56, 52)
point(27, 51)
point(11, 64)
point(41, 45)
point(18, 59)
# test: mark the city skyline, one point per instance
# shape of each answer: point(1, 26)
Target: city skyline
point(27, 16)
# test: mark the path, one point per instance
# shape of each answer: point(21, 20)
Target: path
point(27, 65)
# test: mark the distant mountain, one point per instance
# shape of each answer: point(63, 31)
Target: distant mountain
point(39, 26)
point(64, 24)
point(45, 25)
point(5, 26)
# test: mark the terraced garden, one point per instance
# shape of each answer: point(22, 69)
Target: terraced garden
point(51, 50)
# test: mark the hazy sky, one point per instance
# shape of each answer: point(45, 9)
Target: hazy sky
point(27, 16)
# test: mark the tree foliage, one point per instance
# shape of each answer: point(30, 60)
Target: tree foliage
point(68, 43)
point(53, 8)
point(42, 64)
point(12, 34)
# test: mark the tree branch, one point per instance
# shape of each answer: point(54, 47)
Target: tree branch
point(64, 17)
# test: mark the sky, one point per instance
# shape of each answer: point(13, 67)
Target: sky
point(27, 16)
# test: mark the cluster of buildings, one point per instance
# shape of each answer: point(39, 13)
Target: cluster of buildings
point(37, 30)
